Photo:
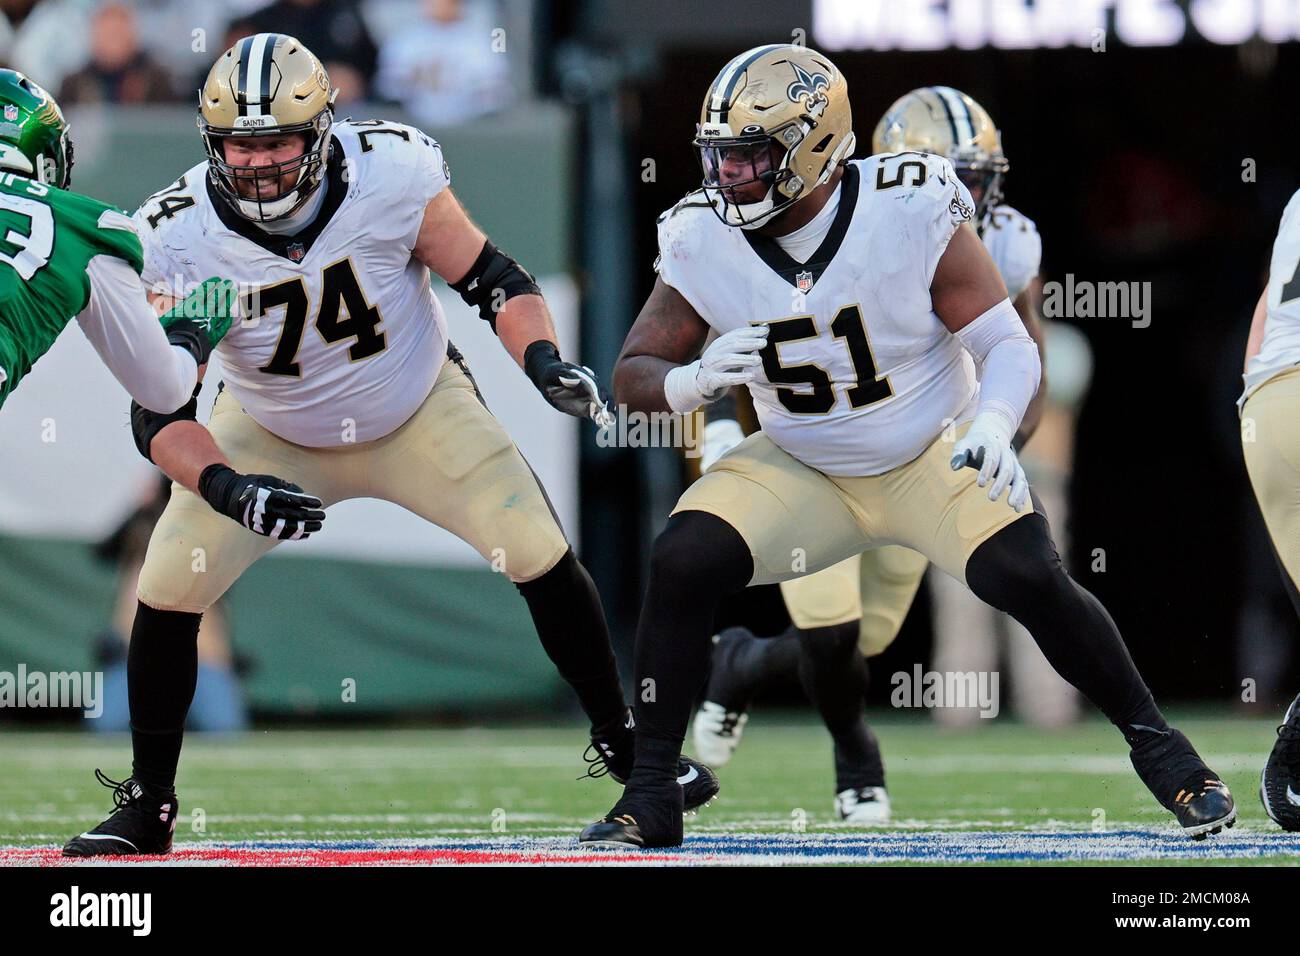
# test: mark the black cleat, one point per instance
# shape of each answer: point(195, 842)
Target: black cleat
point(1279, 785)
point(1173, 771)
point(1204, 806)
point(142, 824)
point(699, 784)
point(644, 818)
point(612, 753)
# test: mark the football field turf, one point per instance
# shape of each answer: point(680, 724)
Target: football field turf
point(1003, 793)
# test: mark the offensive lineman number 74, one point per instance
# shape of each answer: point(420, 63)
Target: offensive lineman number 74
point(340, 292)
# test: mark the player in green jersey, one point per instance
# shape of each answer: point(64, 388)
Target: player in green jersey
point(66, 256)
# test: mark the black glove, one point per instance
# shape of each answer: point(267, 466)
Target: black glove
point(572, 389)
point(190, 336)
point(263, 504)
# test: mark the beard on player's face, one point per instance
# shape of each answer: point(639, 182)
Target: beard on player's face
point(266, 168)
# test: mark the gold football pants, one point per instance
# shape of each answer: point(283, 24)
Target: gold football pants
point(797, 521)
point(451, 463)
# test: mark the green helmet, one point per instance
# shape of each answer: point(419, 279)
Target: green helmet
point(33, 133)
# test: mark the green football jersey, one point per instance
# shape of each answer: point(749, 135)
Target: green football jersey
point(47, 238)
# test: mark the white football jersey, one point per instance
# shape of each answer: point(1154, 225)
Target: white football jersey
point(859, 375)
point(1281, 347)
point(1012, 240)
point(341, 337)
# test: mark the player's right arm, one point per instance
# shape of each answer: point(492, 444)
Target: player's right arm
point(655, 371)
point(188, 454)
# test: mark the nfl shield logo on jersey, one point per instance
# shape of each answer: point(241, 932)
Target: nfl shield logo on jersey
point(296, 251)
point(803, 280)
point(11, 112)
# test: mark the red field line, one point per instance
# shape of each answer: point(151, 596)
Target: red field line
point(416, 856)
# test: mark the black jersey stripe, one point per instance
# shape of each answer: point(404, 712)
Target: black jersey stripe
point(785, 265)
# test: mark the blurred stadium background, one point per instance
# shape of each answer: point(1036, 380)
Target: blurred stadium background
point(1164, 158)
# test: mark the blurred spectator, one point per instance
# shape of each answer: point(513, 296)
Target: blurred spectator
point(184, 36)
point(449, 67)
point(332, 29)
point(119, 71)
point(218, 702)
point(46, 39)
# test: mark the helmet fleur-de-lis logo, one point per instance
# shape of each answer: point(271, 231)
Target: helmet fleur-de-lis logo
point(808, 87)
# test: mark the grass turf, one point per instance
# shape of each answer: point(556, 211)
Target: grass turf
point(482, 784)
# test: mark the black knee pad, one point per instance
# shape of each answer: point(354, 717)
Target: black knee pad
point(701, 551)
point(1018, 564)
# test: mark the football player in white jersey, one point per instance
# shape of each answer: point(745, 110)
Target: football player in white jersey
point(1270, 407)
point(855, 608)
point(341, 379)
point(890, 373)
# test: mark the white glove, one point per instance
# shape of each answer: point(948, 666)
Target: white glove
point(732, 359)
point(987, 446)
point(719, 438)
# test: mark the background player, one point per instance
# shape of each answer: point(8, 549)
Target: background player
point(335, 225)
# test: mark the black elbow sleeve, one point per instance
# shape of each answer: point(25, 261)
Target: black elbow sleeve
point(145, 424)
point(492, 280)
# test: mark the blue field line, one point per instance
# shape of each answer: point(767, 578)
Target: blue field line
point(986, 846)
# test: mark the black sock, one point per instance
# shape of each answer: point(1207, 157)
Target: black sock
point(162, 668)
point(696, 559)
point(1019, 571)
point(834, 675)
point(570, 622)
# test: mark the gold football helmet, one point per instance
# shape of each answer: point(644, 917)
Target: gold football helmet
point(939, 119)
point(267, 85)
point(775, 123)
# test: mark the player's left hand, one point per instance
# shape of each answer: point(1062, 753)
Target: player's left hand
point(984, 446)
point(573, 389)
